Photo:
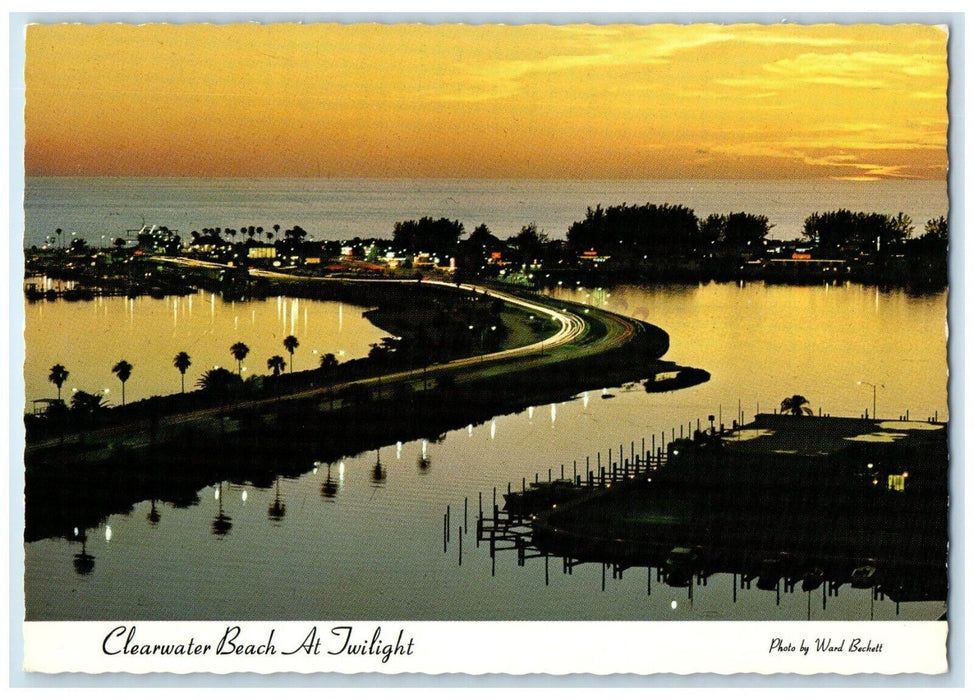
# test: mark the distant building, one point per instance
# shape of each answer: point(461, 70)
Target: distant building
point(592, 257)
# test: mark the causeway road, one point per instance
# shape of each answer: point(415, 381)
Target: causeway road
point(581, 332)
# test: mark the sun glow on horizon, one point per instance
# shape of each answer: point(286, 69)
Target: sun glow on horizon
point(846, 102)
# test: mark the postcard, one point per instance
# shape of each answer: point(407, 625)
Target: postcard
point(560, 347)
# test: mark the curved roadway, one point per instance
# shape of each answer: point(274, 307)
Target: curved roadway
point(570, 340)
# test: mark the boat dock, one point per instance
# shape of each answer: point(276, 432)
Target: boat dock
point(831, 502)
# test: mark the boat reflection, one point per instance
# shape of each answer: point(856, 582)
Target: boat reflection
point(681, 566)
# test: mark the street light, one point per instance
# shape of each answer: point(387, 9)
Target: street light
point(874, 394)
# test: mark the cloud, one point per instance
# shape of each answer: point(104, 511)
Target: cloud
point(585, 46)
point(857, 69)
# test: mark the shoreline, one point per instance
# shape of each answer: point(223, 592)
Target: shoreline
point(83, 480)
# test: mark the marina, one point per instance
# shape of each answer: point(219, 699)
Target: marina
point(662, 510)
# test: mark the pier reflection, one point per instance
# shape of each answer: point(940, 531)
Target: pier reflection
point(818, 573)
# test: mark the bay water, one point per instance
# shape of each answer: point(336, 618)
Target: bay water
point(357, 541)
point(101, 209)
point(353, 541)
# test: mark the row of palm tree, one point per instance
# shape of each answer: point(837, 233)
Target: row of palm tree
point(122, 369)
point(182, 362)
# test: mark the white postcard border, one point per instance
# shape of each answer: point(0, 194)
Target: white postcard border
point(475, 648)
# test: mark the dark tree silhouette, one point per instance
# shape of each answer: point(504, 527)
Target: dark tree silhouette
point(796, 405)
point(239, 352)
point(290, 344)
point(182, 363)
point(122, 370)
point(276, 365)
point(83, 402)
point(328, 362)
point(57, 377)
point(218, 380)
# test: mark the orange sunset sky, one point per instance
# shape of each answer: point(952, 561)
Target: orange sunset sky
point(491, 101)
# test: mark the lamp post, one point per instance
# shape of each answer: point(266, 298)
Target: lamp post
point(874, 394)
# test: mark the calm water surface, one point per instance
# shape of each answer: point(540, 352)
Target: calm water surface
point(88, 338)
point(99, 209)
point(355, 542)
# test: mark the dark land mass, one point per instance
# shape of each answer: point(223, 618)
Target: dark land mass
point(810, 501)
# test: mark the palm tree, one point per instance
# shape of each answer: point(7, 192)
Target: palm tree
point(83, 402)
point(239, 352)
point(796, 405)
point(276, 365)
point(290, 343)
point(218, 380)
point(57, 377)
point(182, 363)
point(122, 370)
point(328, 362)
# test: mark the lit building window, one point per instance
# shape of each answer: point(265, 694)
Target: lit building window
point(897, 482)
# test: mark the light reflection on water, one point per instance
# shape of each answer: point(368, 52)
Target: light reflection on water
point(88, 338)
point(362, 538)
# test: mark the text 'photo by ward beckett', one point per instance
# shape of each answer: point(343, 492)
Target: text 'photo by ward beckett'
point(341, 340)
